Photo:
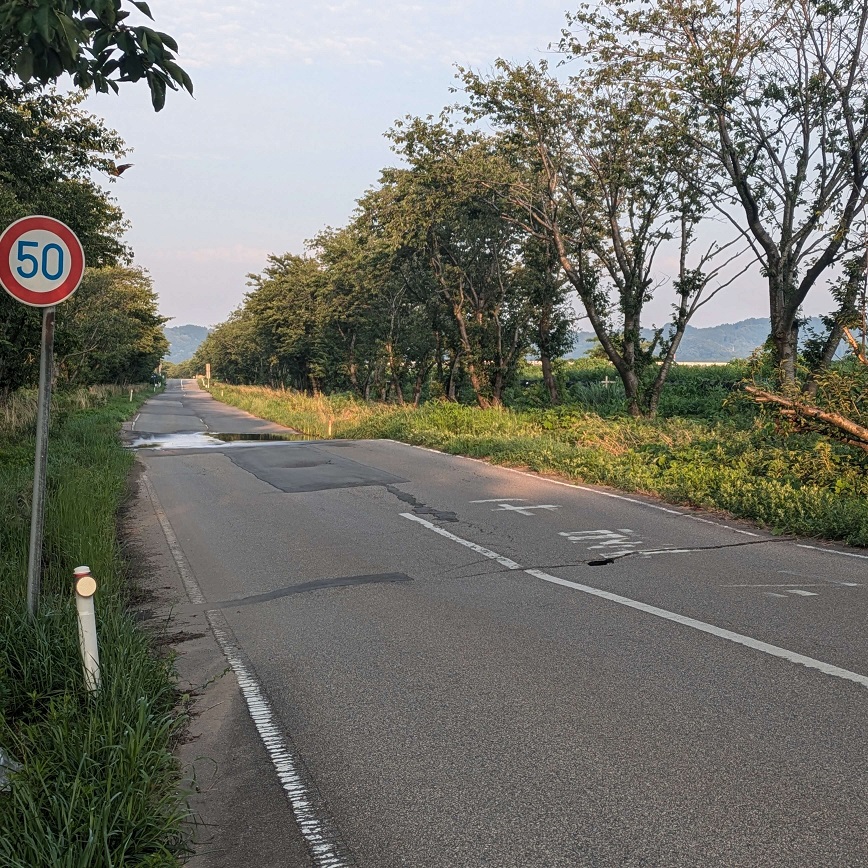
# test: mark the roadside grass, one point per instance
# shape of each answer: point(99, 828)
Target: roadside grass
point(98, 784)
point(736, 462)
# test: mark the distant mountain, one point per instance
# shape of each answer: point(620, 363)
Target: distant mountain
point(719, 343)
point(184, 341)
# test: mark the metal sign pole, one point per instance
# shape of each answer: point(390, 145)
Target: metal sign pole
point(37, 516)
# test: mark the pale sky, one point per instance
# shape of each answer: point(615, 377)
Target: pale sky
point(286, 130)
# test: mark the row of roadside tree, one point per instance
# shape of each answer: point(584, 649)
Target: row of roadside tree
point(678, 148)
point(110, 331)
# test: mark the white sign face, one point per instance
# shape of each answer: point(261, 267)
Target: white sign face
point(41, 261)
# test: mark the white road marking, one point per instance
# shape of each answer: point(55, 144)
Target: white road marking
point(498, 499)
point(801, 593)
point(672, 551)
point(488, 553)
point(585, 535)
point(786, 585)
point(715, 523)
point(610, 494)
point(325, 851)
point(832, 551)
point(604, 539)
point(701, 626)
point(191, 586)
point(524, 510)
point(575, 485)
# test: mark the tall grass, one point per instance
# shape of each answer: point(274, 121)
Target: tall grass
point(98, 782)
point(793, 483)
point(18, 410)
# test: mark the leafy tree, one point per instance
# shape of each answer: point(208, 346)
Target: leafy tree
point(543, 284)
point(110, 331)
point(442, 207)
point(376, 306)
point(780, 88)
point(48, 148)
point(231, 350)
point(89, 40)
point(602, 172)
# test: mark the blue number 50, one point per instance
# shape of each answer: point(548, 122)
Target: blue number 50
point(23, 256)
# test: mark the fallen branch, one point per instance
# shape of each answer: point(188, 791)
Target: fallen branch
point(857, 434)
point(857, 351)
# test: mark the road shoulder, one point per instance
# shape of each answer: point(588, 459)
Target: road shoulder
point(240, 815)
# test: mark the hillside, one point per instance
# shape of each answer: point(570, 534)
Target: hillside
point(718, 343)
point(184, 341)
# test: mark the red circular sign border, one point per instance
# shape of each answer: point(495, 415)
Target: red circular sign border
point(22, 293)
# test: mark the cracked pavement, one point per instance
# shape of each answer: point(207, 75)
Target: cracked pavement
point(469, 712)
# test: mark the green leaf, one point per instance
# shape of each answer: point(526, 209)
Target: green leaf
point(101, 41)
point(143, 7)
point(167, 40)
point(71, 34)
point(178, 74)
point(24, 64)
point(158, 90)
point(43, 25)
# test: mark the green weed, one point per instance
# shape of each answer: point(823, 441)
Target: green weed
point(730, 459)
point(98, 783)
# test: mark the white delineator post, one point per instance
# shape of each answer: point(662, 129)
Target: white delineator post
point(85, 588)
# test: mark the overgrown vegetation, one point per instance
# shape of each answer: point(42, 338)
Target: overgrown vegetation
point(98, 782)
point(728, 457)
point(110, 330)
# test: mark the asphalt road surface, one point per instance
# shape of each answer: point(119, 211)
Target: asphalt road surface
point(454, 664)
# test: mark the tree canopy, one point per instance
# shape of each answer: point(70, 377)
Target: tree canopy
point(594, 184)
point(89, 40)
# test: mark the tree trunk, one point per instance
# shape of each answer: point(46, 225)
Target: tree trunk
point(497, 389)
point(352, 367)
point(478, 385)
point(549, 378)
point(845, 429)
point(421, 375)
point(785, 343)
point(453, 369)
point(631, 390)
point(396, 374)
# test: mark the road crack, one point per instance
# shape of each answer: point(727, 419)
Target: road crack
point(603, 562)
point(421, 508)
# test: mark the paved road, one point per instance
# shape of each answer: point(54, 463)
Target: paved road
point(460, 665)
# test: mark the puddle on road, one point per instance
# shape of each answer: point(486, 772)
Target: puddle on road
point(200, 440)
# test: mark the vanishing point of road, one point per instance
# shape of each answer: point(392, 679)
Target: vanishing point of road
point(447, 663)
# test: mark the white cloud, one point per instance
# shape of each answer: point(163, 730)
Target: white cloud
point(211, 33)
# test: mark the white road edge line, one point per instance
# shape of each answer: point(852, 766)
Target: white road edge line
point(540, 478)
point(191, 586)
point(720, 632)
point(576, 485)
point(311, 826)
point(832, 551)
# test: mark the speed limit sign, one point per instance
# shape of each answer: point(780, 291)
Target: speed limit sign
point(41, 261)
point(41, 264)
